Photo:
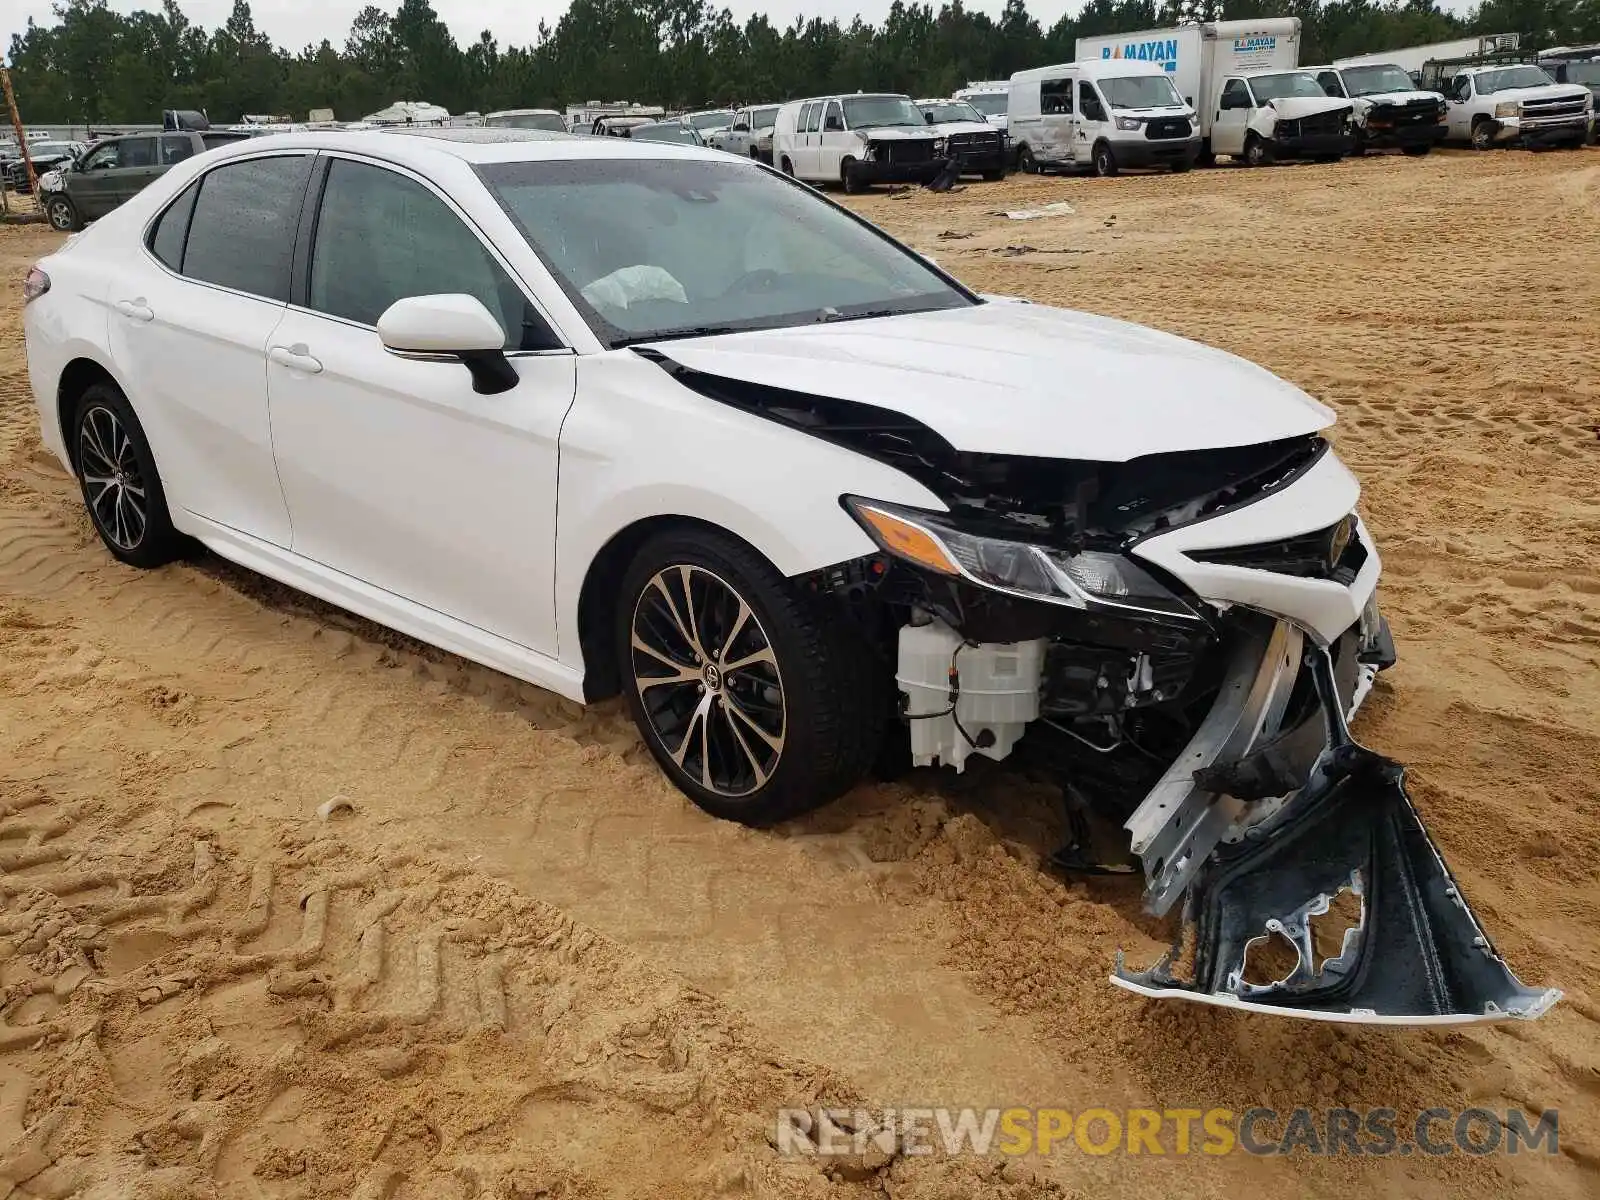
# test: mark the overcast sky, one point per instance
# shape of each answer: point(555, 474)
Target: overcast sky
point(294, 23)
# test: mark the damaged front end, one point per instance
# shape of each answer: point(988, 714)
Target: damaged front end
point(1182, 637)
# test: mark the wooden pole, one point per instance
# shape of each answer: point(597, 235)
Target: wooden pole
point(22, 138)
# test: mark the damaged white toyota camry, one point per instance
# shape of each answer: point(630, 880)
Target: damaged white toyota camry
point(643, 419)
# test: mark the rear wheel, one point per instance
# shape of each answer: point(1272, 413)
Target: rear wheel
point(63, 214)
point(1105, 162)
point(117, 474)
point(755, 704)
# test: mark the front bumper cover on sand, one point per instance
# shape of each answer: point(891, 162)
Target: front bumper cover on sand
point(1411, 952)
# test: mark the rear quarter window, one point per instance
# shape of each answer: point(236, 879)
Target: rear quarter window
point(171, 229)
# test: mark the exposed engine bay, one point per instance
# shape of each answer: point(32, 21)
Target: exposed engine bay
point(1211, 726)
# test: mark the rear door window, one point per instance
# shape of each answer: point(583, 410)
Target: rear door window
point(242, 233)
point(175, 148)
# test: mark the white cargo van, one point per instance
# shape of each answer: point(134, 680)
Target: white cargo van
point(1201, 58)
point(1105, 115)
point(856, 140)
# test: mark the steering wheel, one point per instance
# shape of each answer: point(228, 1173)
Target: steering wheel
point(763, 279)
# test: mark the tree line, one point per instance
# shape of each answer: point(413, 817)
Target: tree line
point(97, 65)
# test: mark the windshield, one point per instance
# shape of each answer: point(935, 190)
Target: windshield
point(1584, 72)
point(670, 131)
point(667, 248)
point(1286, 86)
point(864, 111)
point(951, 110)
point(707, 121)
point(1489, 82)
point(549, 121)
point(763, 118)
point(1140, 91)
point(1370, 81)
point(992, 104)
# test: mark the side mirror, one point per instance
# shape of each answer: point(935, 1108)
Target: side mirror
point(1189, 100)
point(451, 326)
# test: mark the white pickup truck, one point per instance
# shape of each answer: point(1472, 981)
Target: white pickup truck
point(750, 135)
point(1390, 111)
point(1518, 103)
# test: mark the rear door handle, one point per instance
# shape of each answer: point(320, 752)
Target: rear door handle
point(296, 357)
point(136, 310)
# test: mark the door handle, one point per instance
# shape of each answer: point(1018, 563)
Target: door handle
point(296, 357)
point(136, 310)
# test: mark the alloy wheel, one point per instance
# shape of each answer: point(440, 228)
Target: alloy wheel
point(708, 680)
point(60, 215)
point(111, 478)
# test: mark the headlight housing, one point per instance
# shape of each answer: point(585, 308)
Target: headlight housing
point(1131, 124)
point(1086, 579)
point(939, 146)
point(1507, 108)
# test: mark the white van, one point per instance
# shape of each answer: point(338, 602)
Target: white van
point(1103, 114)
point(856, 140)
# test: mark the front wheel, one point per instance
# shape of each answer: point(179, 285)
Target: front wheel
point(1416, 151)
point(755, 704)
point(994, 176)
point(1257, 153)
point(786, 166)
point(117, 474)
point(851, 177)
point(1482, 135)
point(1105, 162)
point(1025, 161)
point(1179, 166)
point(63, 214)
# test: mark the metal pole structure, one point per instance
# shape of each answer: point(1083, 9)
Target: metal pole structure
point(22, 138)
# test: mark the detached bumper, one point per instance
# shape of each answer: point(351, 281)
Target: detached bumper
point(1554, 132)
point(1258, 872)
point(1157, 152)
point(868, 170)
point(980, 162)
point(1312, 145)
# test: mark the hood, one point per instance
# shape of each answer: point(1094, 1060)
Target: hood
point(946, 128)
point(1023, 379)
point(894, 133)
point(1544, 91)
point(1362, 102)
point(1292, 108)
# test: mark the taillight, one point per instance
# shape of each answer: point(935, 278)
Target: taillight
point(35, 285)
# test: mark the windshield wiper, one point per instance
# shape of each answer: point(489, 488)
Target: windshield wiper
point(672, 335)
point(830, 315)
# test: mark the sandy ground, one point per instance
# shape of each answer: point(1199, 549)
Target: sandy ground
point(519, 965)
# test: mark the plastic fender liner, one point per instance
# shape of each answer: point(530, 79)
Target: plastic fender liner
point(1416, 955)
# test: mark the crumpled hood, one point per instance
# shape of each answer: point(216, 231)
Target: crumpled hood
point(893, 133)
point(1363, 103)
point(1292, 108)
point(1014, 378)
point(945, 128)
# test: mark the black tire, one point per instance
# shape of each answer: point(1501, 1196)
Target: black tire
point(1105, 162)
point(63, 214)
point(1415, 151)
point(1180, 165)
point(1025, 161)
point(101, 416)
point(786, 167)
point(831, 689)
point(994, 176)
point(1482, 134)
point(1256, 152)
point(1207, 157)
point(853, 185)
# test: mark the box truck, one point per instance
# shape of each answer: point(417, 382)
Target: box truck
point(1200, 58)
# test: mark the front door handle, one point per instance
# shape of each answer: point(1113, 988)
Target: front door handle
point(296, 357)
point(136, 310)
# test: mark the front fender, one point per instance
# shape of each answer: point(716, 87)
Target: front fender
point(1264, 122)
point(639, 445)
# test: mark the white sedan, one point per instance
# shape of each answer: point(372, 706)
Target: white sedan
point(617, 416)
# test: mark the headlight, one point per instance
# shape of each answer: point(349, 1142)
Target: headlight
point(939, 146)
point(1129, 123)
point(1089, 578)
point(1509, 108)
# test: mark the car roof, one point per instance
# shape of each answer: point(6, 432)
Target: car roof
point(521, 112)
point(418, 148)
